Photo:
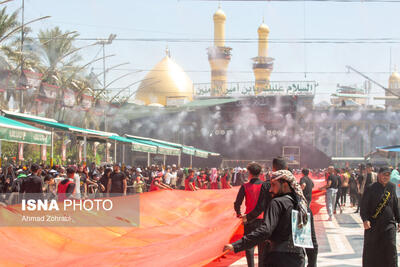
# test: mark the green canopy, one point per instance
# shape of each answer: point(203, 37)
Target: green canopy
point(185, 149)
point(188, 150)
point(15, 131)
point(161, 148)
point(201, 153)
point(56, 125)
point(136, 146)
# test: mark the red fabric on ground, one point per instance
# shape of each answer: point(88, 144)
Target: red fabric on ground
point(177, 228)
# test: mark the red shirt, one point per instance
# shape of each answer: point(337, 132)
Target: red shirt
point(62, 190)
point(252, 192)
point(153, 186)
point(224, 182)
point(189, 179)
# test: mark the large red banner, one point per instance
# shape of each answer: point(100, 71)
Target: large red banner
point(177, 228)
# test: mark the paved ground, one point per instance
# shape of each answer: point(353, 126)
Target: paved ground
point(340, 241)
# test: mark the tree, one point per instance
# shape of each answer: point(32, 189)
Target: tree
point(10, 48)
point(58, 60)
point(58, 55)
point(8, 22)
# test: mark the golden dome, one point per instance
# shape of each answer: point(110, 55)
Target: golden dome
point(166, 80)
point(219, 15)
point(395, 77)
point(263, 28)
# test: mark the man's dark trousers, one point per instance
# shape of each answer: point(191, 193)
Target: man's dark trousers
point(248, 228)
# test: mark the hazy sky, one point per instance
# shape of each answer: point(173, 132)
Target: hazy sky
point(192, 21)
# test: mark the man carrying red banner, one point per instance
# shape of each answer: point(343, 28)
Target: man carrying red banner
point(190, 183)
point(66, 187)
point(157, 184)
point(225, 180)
point(251, 191)
point(202, 180)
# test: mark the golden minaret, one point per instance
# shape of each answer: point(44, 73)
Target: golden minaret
point(263, 64)
point(219, 55)
point(394, 86)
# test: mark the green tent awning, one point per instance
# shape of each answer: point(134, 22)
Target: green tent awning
point(201, 153)
point(57, 125)
point(185, 149)
point(136, 146)
point(161, 148)
point(188, 150)
point(15, 131)
point(47, 122)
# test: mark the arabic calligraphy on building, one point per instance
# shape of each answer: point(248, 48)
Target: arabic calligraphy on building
point(248, 89)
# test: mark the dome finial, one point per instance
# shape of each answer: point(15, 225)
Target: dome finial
point(167, 51)
point(219, 4)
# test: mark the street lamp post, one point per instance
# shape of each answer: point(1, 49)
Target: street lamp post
point(22, 81)
point(103, 43)
point(21, 96)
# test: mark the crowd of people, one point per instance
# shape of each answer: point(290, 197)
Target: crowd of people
point(117, 179)
point(271, 195)
point(97, 181)
point(352, 182)
point(268, 219)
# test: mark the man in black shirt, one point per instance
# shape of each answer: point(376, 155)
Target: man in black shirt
point(117, 183)
point(371, 177)
point(306, 185)
point(277, 225)
point(263, 202)
point(251, 191)
point(33, 184)
point(331, 191)
point(338, 191)
point(380, 213)
point(361, 182)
